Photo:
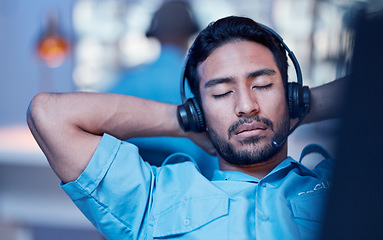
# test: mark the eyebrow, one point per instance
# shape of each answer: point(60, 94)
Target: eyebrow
point(216, 81)
point(265, 71)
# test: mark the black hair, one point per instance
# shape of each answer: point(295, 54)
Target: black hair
point(227, 30)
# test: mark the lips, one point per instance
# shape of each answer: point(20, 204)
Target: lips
point(253, 128)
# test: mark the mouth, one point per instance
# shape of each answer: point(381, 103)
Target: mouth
point(247, 130)
point(253, 127)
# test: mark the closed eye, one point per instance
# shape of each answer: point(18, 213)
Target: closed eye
point(217, 96)
point(263, 87)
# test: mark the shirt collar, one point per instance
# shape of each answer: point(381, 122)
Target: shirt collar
point(233, 176)
point(286, 164)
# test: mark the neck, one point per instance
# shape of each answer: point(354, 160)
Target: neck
point(258, 170)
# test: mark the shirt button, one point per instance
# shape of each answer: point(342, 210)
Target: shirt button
point(186, 221)
point(263, 185)
point(265, 218)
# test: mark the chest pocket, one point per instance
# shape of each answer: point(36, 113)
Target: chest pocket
point(205, 214)
point(311, 208)
point(309, 212)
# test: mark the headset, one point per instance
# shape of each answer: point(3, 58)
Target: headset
point(190, 114)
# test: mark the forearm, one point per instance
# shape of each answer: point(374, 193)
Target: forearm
point(327, 101)
point(118, 115)
point(68, 127)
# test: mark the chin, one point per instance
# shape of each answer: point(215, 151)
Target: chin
point(253, 153)
point(248, 151)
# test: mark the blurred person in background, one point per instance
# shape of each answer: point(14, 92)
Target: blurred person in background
point(173, 25)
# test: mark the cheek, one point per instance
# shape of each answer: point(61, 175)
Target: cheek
point(217, 117)
point(274, 105)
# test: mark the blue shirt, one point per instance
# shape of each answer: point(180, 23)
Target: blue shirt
point(126, 198)
point(158, 80)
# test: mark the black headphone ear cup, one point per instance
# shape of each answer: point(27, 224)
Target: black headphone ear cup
point(190, 116)
point(306, 100)
point(298, 100)
point(200, 125)
point(291, 97)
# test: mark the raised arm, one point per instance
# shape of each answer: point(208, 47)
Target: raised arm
point(327, 101)
point(68, 126)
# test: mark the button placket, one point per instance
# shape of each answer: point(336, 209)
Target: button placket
point(262, 216)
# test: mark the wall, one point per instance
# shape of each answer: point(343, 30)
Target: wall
point(21, 71)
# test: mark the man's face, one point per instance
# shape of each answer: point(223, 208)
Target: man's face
point(244, 102)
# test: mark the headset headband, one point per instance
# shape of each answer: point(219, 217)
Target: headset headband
point(290, 53)
point(276, 35)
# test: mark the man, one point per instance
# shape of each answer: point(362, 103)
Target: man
point(239, 75)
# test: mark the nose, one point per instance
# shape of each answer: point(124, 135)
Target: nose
point(246, 104)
